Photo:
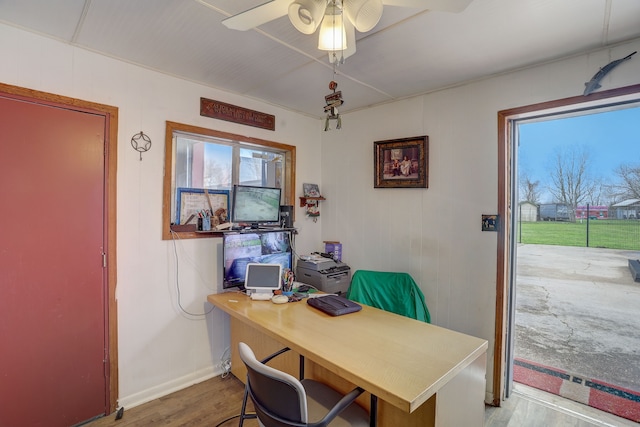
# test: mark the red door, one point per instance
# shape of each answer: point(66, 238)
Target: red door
point(52, 280)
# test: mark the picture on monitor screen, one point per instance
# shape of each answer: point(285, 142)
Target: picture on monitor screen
point(255, 205)
point(266, 247)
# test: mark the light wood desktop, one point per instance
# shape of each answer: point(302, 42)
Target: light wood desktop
point(422, 374)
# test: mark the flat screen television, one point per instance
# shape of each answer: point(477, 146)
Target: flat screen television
point(255, 206)
point(259, 246)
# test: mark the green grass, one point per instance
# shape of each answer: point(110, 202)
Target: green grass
point(613, 234)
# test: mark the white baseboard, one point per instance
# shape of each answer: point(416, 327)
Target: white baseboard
point(488, 397)
point(169, 387)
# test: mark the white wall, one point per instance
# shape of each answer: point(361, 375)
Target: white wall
point(435, 234)
point(160, 348)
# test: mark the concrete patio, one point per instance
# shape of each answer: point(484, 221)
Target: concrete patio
point(578, 311)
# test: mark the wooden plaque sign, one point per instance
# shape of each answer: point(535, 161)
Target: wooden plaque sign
point(233, 113)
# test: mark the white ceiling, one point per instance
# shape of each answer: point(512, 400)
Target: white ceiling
point(410, 51)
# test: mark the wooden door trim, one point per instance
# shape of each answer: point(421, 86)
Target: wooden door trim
point(505, 118)
point(111, 139)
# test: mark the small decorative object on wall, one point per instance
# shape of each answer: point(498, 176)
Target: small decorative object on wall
point(146, 146)
point(311, 190)
point(401, 163)
point(193, 203)
point(489, 222)
point(313, 210)
point(594, 83)
point(310, 200)
point(235, 114)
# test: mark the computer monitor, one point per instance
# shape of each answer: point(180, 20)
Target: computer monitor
point(263, 278)
point(261, 246)
point(255, 205)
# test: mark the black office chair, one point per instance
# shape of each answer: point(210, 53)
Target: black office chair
point(281, 400)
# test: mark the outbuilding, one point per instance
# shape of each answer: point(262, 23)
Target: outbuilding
point(627, 209)
point(528, 212)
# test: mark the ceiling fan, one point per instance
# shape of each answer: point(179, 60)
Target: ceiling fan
point(337, 35)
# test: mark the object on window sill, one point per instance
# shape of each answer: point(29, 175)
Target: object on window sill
point(183, 228)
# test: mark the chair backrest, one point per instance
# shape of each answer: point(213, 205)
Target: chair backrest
point(389, 291)
point(275, 394)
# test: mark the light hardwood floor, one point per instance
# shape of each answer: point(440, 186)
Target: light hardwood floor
point(204, 404)
point(213, 401)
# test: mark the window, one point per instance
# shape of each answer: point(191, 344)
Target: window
point(202, 159)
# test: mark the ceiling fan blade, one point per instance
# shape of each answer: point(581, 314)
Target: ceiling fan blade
point(258, 15)
point(454, 6)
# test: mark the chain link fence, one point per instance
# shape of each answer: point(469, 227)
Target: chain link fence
point(582, 232)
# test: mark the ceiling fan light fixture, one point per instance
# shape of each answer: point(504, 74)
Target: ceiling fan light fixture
point(306, 15)
point(364, 14)
point(332, 35)
point(339, 56)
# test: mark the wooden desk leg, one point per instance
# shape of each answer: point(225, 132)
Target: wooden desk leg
point(373, 411)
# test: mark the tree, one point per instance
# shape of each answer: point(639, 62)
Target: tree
point(599, 194)
point(529, 190)
point(628, 186)
point(571, 182)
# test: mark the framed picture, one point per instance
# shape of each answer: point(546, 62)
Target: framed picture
point(191, 201)
point(310, 190)
point(401, 163)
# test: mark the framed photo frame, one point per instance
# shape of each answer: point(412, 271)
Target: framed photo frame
point(191, 201)
point(310, 190)
point(401, 163)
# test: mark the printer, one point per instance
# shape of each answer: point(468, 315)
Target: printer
point(325, 274)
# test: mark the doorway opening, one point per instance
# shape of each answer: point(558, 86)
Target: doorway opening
point(558, 294)
point(576, 332)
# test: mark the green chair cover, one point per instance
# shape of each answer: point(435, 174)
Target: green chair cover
point(394, 292)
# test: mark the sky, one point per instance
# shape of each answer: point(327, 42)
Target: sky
point(611, 138)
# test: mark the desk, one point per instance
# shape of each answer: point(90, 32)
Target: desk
point(423, 375)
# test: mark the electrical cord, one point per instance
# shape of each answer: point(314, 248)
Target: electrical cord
point(225, 362)
point(176, 236)
point(179, 296)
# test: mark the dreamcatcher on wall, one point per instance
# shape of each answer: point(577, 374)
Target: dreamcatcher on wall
point(141, 143)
